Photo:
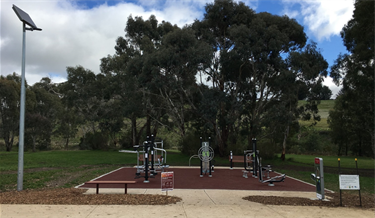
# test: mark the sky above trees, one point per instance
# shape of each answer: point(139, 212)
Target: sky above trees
point(82, 32)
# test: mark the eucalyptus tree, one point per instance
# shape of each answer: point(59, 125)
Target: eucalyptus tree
point(174, 69)
point(130, 84)
point(42, 115)
point(355, 72)
point(255, 66)
point(9, 110)
point(10, 87)
point(83, 94)
point(215, 29)
point(348, 128)
point(154, 68)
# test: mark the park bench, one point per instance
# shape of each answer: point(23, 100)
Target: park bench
point(238, 159)
point(111, 182)
point(156, 157)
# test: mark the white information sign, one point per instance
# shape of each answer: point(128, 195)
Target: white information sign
point(349, 182)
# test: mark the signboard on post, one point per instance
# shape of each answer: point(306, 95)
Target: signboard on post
point(167, 181)
point(349, 182)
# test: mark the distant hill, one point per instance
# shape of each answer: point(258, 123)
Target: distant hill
point(324, 107)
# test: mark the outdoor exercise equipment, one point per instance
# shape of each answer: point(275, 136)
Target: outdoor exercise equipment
point(206, 154)
point(272, 180)
point(152, 162)
point(318, 177)
point(256, 167)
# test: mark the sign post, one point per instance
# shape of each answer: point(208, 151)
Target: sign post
point(167, 181)
point(349, 182)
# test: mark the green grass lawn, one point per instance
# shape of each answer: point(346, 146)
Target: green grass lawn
point(331, 169)
point(70, 168)
point(332, 161)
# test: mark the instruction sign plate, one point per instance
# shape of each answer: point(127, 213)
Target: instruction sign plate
point(349, 182)
point(167, 181)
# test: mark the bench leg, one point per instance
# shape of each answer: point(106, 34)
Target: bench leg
point(126, 188)
point(97, 188)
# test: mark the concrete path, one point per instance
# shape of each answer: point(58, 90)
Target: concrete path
point(195, 204)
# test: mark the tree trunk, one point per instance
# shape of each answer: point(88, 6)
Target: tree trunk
point(34, 146)
point(346, 148)
point(67, 143)
point(148, 126)
point(134, 131)
point(8, 145)
point(222, 137)
point(373, 143)
point(286, 134)
point(9, 139)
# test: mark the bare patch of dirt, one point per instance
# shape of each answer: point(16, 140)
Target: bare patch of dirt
point(72, 196)
point(348, 200)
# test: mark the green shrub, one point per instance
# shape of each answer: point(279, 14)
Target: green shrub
point(190, 144)
point(267, 149)
point(94, 141)
point(239, 146)
point(312, 143)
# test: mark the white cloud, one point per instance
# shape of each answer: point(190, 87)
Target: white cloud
point(75, 35)
point(331, 85)
point(323, 18)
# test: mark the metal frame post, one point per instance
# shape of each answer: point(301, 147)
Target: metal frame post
point(255, 165)
point(231, 160)
point(359, 191)
point(209, 164)
point(339, 176)
point(201, 161)
point(152, 155)
point(145, 157)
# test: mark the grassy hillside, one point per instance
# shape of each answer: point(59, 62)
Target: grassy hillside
point(324, 107)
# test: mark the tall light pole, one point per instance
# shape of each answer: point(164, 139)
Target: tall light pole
point(26, 20)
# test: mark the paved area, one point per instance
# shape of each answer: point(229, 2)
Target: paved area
point(205, 203)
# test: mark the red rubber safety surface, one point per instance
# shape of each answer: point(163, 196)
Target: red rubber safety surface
point(189, 178)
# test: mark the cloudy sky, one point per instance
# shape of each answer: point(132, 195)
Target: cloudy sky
point(82, 32)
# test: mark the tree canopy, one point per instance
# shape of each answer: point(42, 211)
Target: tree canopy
point(354, 107)
point(235, 75)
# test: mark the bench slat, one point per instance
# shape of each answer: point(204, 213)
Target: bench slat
point(110, 182)
point(238, 159)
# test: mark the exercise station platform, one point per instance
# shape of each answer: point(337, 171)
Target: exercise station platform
point(189, 178)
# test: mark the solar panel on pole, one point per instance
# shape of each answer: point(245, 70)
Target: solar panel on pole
point(26, 20)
